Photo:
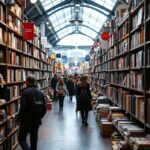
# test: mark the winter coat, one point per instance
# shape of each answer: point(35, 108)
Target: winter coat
point(54, 83)
point(71, 87)
point(61, 89)
point(25, 103)
point(83, 105)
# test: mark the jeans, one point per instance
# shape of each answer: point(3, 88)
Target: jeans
point(33, 131)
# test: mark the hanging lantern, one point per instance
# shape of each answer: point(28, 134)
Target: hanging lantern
point(59, 65)
point(52, 55)
point(64, 59)
point(87, 58)
point(105, 36)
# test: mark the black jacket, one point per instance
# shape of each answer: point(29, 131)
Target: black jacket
point(70, 87)
point(25, 103)
point(54, 83)
point(83, 105)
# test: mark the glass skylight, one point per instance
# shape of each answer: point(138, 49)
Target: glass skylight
point(91, 18)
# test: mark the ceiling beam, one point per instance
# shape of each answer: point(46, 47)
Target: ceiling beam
point(74, 32)
point(60, 47)
point(97, 5)
point(63, 5)
point(53, 8)
point(71, 25)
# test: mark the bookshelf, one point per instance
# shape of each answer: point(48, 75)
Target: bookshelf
point(122, 71)
point(18, 58)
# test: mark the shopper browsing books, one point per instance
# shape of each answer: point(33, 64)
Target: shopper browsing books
point(84, 97)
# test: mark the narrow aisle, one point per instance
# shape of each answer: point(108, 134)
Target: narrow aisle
point(64, 131)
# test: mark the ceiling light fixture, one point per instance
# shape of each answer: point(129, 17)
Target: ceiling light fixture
point(76, 21)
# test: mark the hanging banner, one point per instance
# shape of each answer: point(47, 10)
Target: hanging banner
point(58, 55)
point(28, 33)
point(87, 58)
point(64, 59)
point(44, 40)
point(52, 55)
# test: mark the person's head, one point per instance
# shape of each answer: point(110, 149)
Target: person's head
point(61, 81)
point(83, 81)
point(30, 80)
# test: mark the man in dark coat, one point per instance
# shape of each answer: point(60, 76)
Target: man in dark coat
point(28, 125)
point(54, 81)
point(71, 87)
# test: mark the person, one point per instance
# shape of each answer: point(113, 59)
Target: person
point(54, 81)
point(84, 100)
point(27, 120)
point(61, 90)
point(70, 87)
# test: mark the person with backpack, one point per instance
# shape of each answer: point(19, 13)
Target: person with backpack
point(32, 110)
point(84, 97)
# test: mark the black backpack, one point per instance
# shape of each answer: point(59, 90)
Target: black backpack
point(83, 95)
point(37, 107)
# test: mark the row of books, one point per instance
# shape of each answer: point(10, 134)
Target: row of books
point(123, 46)
point(123, 30)
point(12, 141)
point(16, 9)
point(137, 80)
point(2, 58)
point(148, 57)
point(13, 41)
point(133, 104)
point(29, 49)
point(137, 60)
point(13, 92)
point(3, 36)
point(12, 108)
point(123, 63)
point(11, 124)
point(113, 39)
point(138, 18)
point(14, 75)
point(112, 64)
point(31, 63)
point(13, 58)
point(15, 24)
point(112, 53)
point(2, 13)
point(137, 38)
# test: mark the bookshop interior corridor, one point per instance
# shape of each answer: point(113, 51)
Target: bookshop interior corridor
point(108, 41)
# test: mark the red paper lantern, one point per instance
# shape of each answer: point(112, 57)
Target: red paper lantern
point(105, 36)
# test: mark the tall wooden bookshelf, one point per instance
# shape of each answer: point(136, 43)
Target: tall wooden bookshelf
point(18, 58)
point(122, 71)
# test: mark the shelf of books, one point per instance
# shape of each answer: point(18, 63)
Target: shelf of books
point(121, 73)
point(18, 58)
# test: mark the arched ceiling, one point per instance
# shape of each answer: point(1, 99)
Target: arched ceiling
point(59, 13)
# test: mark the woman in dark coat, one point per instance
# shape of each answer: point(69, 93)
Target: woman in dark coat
point(70, 87)
point(83, 99)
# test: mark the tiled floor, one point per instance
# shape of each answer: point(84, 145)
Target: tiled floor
point(64, 131)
